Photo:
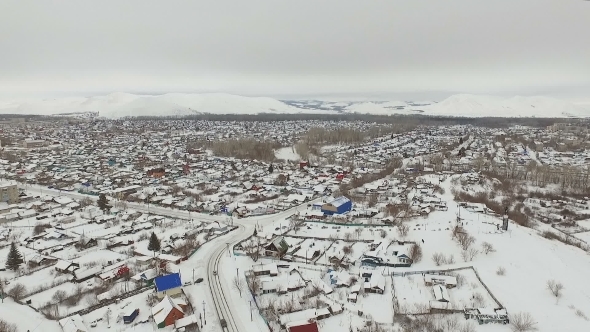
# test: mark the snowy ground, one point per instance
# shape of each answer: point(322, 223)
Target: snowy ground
point(414, 296)
point(287, 153)
point(27, 318)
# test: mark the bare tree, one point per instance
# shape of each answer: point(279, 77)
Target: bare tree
point(449, 324)
point(501, 271)
point(469, 254)
point(523, 322)
point(107, 316)
point(92, 300)
point(403, 230)
point(465, 240)
point(415, 253)
point(478, 301)
point(451, 259)
point(253, 284)
point(465, 255)
point(358, 232)
point(238, 285)
point(347, 250)
point(86, 201)
point(555, 289)
point(467, 327)
point(293, 223)
point(59, 295)
point(253, 248)
point(438, 258)
point(2, 289)
point(487, 248)
point(17, 291)
point(7, 327)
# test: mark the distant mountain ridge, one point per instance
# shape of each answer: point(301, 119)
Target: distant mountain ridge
point(119, 105)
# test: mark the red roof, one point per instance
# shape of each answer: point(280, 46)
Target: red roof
point(308, 327)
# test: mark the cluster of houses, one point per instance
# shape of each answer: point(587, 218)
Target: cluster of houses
point(158, 167)
point(559, 145)
point(171, 308)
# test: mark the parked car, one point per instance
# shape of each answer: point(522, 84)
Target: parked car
point(199, 280)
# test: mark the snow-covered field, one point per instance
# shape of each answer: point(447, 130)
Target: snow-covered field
point(287, 153)
point(27, 318)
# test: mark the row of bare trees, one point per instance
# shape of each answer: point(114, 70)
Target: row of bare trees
point(7, 327)
point(245, 149)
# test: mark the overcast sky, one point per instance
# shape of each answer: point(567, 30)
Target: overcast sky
point(414, 48)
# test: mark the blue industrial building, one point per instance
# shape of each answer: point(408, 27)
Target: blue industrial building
point(339, 205)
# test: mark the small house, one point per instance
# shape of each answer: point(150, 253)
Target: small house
point(376, 284)
point(146, 277)
point(64, 266)
point(156, 172)
point(39, 260)
point(168, 285)
point(265, 269)
point(86, 243)
point(81, 275)
point(130, 316)
point(277, 247)
point(302, 327)
point(168, 311)
point(447, 281)
point(73, 323)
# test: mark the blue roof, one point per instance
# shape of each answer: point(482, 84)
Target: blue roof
point(164, 283)
point(339, 201)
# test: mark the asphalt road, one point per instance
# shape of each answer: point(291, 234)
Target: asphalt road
point(218, 293)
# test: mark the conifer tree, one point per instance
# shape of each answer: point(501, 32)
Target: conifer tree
point(103, 203)
point(15, 259)
point(154, 244)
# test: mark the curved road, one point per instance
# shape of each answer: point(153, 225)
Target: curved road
point(217, 287)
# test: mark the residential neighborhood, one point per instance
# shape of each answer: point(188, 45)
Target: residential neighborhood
point(146, 224)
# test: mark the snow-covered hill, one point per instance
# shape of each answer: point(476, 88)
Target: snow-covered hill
point(117, 105)
point(481, 106)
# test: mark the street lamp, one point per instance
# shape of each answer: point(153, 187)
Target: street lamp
point(204, 317)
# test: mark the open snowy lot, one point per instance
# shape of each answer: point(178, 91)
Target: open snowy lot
point(28, 319)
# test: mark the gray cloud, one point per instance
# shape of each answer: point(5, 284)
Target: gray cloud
point(300, 47)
